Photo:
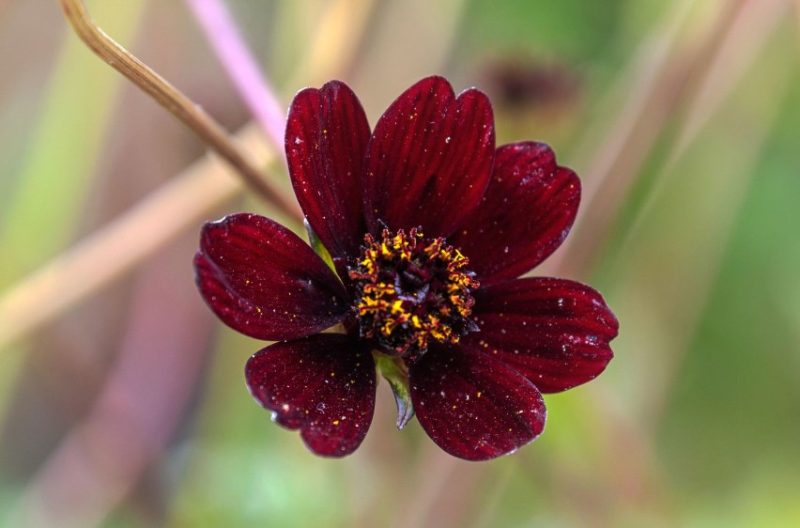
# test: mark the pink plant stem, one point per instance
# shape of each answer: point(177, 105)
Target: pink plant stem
point(226, 40)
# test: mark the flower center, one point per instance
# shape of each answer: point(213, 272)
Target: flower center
point(411, 290)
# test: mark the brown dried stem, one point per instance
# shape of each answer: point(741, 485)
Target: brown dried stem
point(172, 99)
point(124, 243)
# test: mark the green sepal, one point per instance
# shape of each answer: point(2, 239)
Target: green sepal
point(394, 372)
point(318, 247)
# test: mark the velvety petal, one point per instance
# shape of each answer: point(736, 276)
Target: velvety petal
point(265, 282)
point(555, 332)
point(473, 406)
point(323, 385)
point(326, 139)
point(527, 211)
point(429, 159)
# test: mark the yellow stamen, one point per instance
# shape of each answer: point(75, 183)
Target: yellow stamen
point(398, 319)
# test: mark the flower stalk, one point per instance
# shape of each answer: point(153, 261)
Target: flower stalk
point(173, 100)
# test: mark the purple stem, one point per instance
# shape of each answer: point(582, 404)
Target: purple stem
point(231, 50)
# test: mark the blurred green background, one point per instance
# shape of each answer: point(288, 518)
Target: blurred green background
point(127, 406)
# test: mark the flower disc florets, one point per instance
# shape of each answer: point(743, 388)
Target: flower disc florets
point(411, 290)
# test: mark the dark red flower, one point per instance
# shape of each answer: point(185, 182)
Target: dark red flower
point(428, 226)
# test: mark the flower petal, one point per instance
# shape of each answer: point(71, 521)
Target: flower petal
point(473, 406)
point(527, 211)
point(555, 332)
point(429, 159)
point(326, 138)
point(265, 282)
point(323, 385)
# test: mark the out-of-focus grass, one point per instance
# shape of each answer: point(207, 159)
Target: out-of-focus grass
point(694, 424)
point(534, 27)
point(739, 383)
point(43, 197)
point(44, 200)
point(50, 187)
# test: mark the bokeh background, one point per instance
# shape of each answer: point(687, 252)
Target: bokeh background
point(122, 401)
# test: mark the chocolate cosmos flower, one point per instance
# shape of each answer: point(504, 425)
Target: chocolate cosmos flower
point(427, 226)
